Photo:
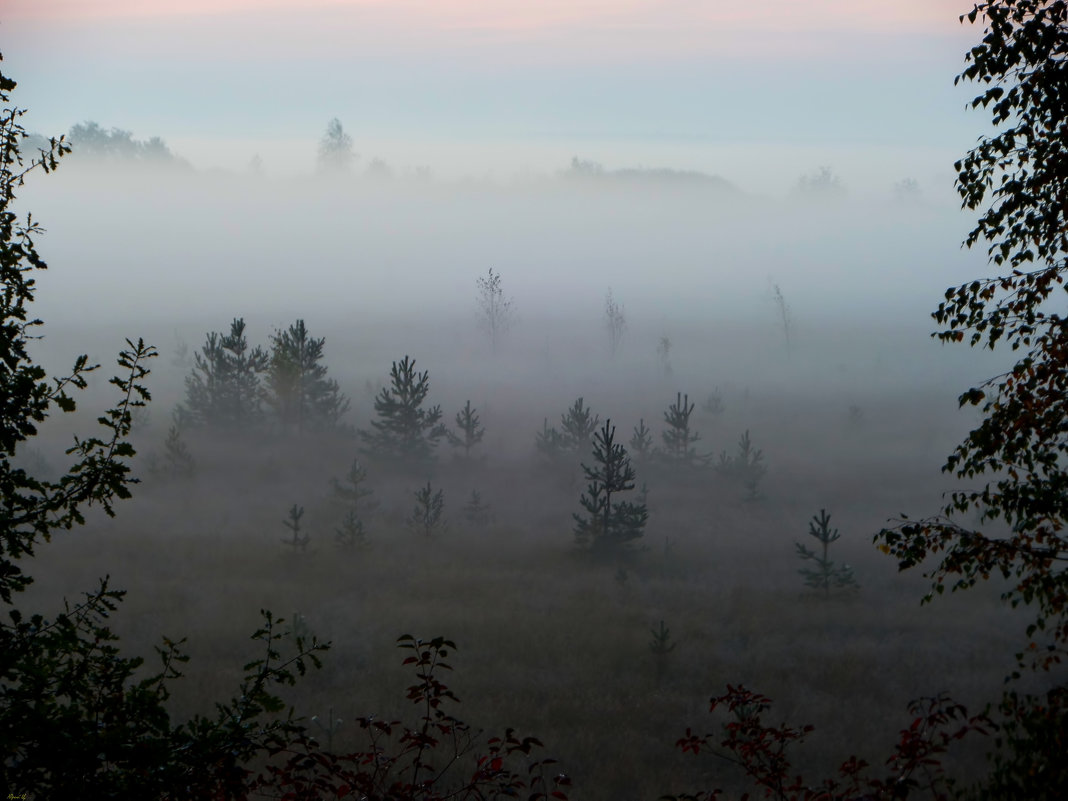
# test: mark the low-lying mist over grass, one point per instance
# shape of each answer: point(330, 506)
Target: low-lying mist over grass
point(801, 321)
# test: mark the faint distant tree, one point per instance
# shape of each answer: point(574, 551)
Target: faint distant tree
point(746, 467)
point(404, 430)
point(32, 145)
point(89, 139)
point(177, 460)
point(560, 446)
point(496, 313)
point(713, 404)
point(300, 392)
point(821, 183)
point(471, 430)
point(549, 443)
point(584, 168)
point(353, 490)
point(641, 443)
point(783, 309)
point(475, 511)
point(427, 516)
point(352, 533)
point(225, 387)
point(615, 322)
point(156, 150)
point(354, 493)
point(378, 170)
point(907, 190)
point(663, 355)
point(181, 357)
point(298, 539)
point(335, 149)
point(255, 164)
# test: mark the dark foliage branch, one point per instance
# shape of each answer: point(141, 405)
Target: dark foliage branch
point(1018, 180)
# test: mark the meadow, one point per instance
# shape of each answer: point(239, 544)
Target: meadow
point(550, 640)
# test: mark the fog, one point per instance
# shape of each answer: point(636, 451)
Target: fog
point(853, 406)
point(190, 251)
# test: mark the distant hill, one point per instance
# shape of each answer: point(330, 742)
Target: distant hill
point(581, 169)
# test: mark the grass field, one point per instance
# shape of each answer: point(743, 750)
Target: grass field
point(550, 642)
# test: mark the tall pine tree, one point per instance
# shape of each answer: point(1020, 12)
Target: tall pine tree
point(471, 431)
point(404, 430)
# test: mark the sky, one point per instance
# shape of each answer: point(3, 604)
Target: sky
point(752, 91)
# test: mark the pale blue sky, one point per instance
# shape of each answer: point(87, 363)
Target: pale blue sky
point(757, 96)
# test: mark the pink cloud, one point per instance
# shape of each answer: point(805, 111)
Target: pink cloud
point(534, 32)
point(902, 15)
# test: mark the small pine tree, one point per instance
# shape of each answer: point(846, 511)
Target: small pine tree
point(641, 444)
point(559, 447)
point(354, 493)
point(609, 528)
point(747, 467)
point(404, 430)
point(661, 645)
point(713, 404)
point(225, 388)
point(475, 512)
point(298, 541)
point(615, 323)
point(663, 356)
point(549, 443)
point(783, 309)
point(471, 431)
point(177, 461)
point(578, 425)
point(427, 514)
point(352, 533)
point(825, 574)
point(301, 394)
point(678, 439)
